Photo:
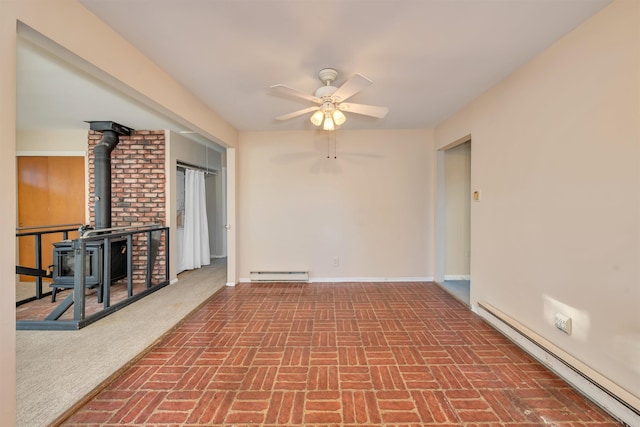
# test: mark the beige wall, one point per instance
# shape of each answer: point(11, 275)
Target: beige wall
point(52, 140)
point(371, 208)
point(556, 154)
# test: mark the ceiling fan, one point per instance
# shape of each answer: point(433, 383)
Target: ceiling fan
point(330, 99)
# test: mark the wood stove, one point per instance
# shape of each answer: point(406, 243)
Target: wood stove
point(63, 252)
point(64, 265)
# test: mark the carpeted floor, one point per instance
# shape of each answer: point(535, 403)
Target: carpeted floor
point(339, 354)
point(459, 289)
point(56, 369)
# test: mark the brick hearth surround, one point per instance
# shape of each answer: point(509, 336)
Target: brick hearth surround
point(138, 183)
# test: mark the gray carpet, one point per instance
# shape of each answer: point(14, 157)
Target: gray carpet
point(459, 289)
point(56, 369)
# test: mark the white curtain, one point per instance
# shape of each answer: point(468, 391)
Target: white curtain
point(195, 252)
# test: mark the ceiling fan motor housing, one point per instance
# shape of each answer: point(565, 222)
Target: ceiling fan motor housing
point(325, 92)
point(328, 106)
point(328, 75)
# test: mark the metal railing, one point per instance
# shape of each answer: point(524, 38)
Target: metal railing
point(39, 271)
point(77, 297)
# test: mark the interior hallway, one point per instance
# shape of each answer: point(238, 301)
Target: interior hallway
point(344, 354)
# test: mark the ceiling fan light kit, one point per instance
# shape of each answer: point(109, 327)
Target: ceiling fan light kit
point(328, 123)
point(317, 118)
point(339, 117)
point(330, 111)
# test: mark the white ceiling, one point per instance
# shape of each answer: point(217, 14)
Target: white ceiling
point(427, 58)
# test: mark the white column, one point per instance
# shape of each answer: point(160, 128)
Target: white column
point(8, 216)
point(232, 220)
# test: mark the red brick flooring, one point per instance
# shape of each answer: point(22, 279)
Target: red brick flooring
point(356, 354)
point(40, 309)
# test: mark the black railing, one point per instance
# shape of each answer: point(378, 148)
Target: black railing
point(149, 241)
point(39, 271)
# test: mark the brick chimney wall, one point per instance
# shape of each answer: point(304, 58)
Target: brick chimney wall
point(138, 184)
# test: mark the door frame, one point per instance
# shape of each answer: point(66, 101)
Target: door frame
point(440, 240)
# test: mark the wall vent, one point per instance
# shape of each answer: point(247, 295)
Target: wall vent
point(279, 276)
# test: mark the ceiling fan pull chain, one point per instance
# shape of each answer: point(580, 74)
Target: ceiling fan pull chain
point(335, 145)
point(328, 144)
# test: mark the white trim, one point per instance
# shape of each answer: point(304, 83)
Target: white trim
point(457, 277)
point(51, 153)
point(173, 281)
point(608, 395)
point(359, 279)
point(231, 284)
point(439, 220)
point(371, 279)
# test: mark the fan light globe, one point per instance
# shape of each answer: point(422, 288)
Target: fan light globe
point(338, 117)
point(328, 123)
point(317, 117)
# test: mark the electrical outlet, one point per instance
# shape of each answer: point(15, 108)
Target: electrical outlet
point(563, 323)
point(336, 261)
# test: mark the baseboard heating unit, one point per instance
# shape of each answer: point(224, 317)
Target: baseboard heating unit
point(609, 396)
point(279, 276)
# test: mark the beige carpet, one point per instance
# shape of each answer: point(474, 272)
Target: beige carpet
point(26, 290)
point(56, 369)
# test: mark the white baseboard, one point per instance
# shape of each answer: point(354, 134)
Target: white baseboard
point(370, 279)
point(457, 277)
point(359, 279)
point(173, 281)
point(231, 284)
point(612, 398)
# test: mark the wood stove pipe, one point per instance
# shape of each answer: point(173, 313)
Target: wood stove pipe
point(111, 132)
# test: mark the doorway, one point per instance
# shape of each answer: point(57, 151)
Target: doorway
point(454, 224)
point(213, 202)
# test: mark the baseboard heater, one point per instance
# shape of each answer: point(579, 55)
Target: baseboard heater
point(612, 398)
point(279, 276)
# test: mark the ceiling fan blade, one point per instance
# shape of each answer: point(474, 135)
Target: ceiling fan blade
point(352, 86)
point(297, 113)
point(366, 110)
point(292, 92)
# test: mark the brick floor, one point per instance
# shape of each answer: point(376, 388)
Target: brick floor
point(40, 309)
point(337, 354)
